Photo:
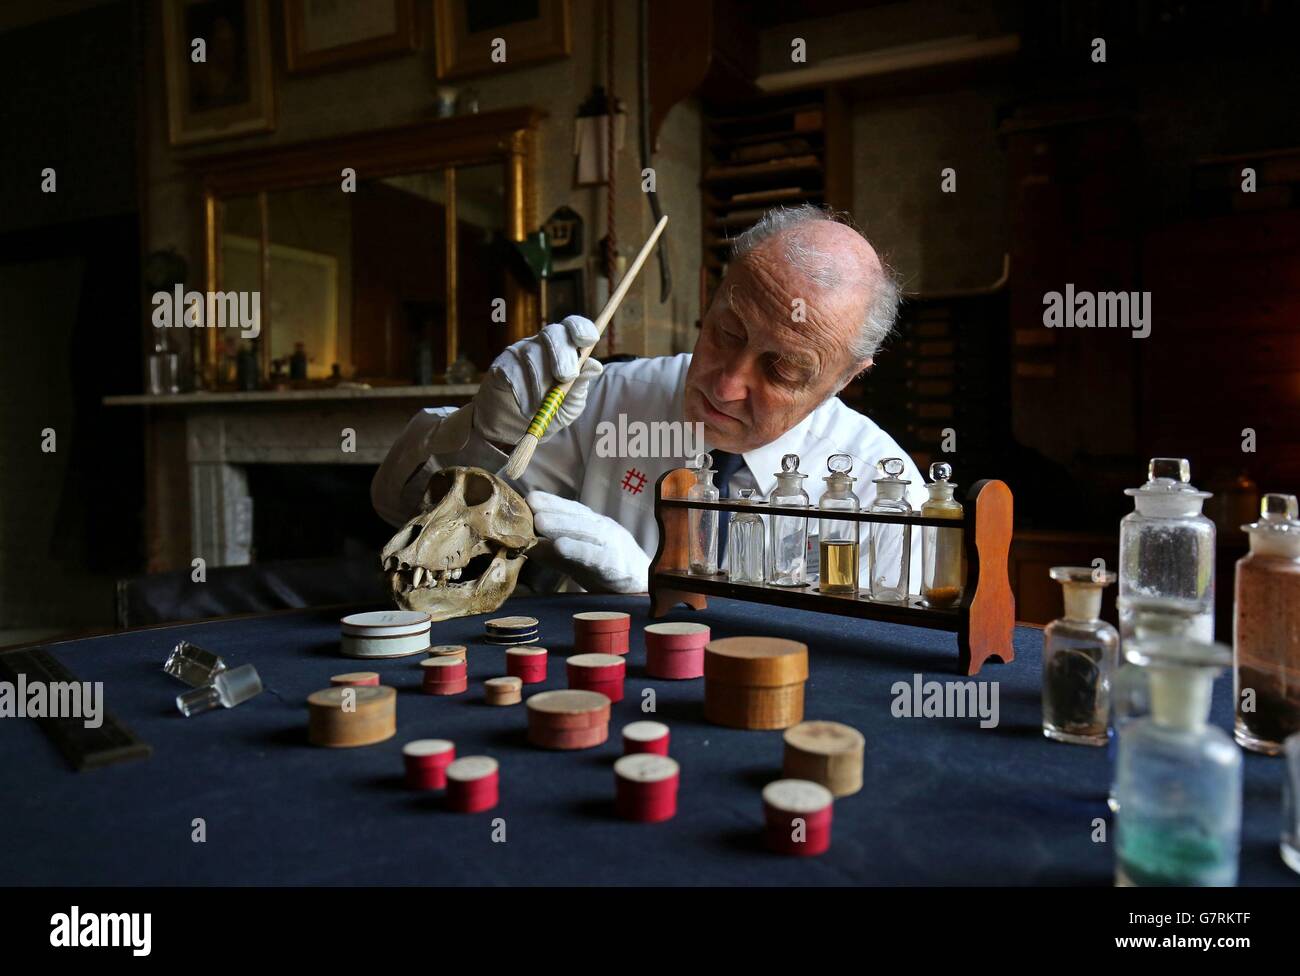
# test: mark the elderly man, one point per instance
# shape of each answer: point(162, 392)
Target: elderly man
point(803, 308)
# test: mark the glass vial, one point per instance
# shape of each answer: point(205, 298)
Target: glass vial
point(1291, 804)
point(1080, 653)
point(1166, 547)
point(227, 690)
point(789, 533)
point(703, 522)
point(1266, 629)
point(837, 550)
point(193, 665)
point(746, 544)
point(1178, 778)
point(1130, 692)
point(943, 559)
point(890, 544)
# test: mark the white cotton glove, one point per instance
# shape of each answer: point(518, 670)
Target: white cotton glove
point(520, 378)
point(597, 552)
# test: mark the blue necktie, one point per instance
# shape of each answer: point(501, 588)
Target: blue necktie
point(725, 464)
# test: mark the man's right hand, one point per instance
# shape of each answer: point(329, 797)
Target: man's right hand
point(524, 373)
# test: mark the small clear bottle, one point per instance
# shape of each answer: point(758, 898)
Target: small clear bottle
point(890, 544)
point(837, 539)
point(1130, 691)
point(703, 522)
point(1266, 629)
point(788, 551)
point(1080, 653)
point(943, 558)
point(1178, 778)
point(228, 689)
point(746, 544)
point(1166, 547)
point(1290, 844)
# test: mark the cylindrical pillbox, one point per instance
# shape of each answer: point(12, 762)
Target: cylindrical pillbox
point(342, 717)
point(598, 672)
point(356, 679)
point(568, 719)
point(754, 682)
point(675, 649)
point(828, 753)
point(527, 663)
point(646, 787)
point(426, 763)
point(444, 675)
point(385, 633)
point(797, 817)
point(601, 632)
point(448, 650)
point(651, 737)
point(472, 784)
point(503, 691)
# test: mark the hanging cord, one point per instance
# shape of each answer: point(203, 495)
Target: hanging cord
point(611, 242)
point(643, 70)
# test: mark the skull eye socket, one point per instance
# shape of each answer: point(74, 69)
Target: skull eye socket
point(478, 489)
point(440, 485)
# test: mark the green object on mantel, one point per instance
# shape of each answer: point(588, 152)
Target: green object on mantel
point(535, 250)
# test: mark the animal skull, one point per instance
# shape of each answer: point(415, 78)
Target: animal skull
point(462, 554)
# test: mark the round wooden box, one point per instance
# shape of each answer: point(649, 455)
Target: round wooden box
point(754, 682)
point(828, 753)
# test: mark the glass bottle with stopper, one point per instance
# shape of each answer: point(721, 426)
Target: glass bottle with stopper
point(1178, 778)
point(1080, 652)
point(1130, 691)
point(1166, 547)
point(1266, 629)
point(228, 689)
point(789, 533)
point(890, 543)
point(943, 560)
point(745, 542)
point(703, 523)
point(837, 547)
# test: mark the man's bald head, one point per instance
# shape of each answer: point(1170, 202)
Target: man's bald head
point(846, 274)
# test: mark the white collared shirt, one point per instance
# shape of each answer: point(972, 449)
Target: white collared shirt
point(567, 462)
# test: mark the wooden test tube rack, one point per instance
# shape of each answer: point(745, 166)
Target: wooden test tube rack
point(983, 618)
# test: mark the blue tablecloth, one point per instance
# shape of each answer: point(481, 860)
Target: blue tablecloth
point(944, 800)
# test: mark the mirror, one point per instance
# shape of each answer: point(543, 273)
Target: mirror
point(390, 281)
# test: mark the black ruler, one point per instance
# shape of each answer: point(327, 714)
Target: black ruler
point(84, 748)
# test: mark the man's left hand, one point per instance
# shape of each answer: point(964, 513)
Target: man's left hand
point(597, 552)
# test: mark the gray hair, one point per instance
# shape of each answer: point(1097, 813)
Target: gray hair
point(819, 267)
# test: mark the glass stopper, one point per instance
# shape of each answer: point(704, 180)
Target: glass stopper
point(891, 466)
point(746, 494)
point(940, 471)
point(839, 464)
point(1174, 469)
point(790, 462)
point(1277, 508)
point(704, 462)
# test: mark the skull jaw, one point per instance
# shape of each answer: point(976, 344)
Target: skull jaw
point(482, 595)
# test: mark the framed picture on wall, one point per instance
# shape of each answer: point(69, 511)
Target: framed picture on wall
point(217, 55)
point(324, 34)
point(468, 32)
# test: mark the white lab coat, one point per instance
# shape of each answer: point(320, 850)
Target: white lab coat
point(647, 390)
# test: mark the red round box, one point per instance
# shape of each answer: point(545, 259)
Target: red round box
point(649, 800)
point(444, 676)
point(476, 791)
point(426, 767)
point(780, 825)
point(527, 663)
point(601, 632)
point(650, 742)
point(605, 677)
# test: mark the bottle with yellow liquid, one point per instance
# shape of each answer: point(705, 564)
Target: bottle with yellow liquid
point(838, 538)
point(943, 559)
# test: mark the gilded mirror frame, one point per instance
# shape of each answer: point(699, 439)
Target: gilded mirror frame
point(507, 136)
